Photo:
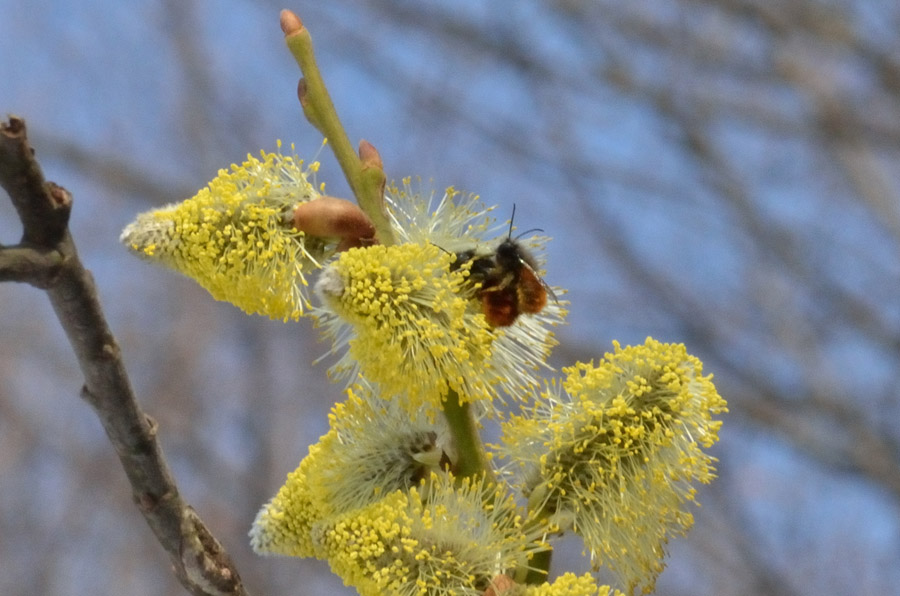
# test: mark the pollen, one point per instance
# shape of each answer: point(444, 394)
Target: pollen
point(235, 237)
point(373, 448)
point(614, 452)
point(284, 525)
point(406, 317)
point(439, 539)
point(414, 333)
point(569, 584)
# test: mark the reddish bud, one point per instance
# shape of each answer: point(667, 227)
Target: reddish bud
point(499, 585)
point(369, 156)
point(290, 22)
point(330, 217)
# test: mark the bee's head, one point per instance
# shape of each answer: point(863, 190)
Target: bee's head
point(509, 254)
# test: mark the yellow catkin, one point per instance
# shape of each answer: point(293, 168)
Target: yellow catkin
point(235, 237)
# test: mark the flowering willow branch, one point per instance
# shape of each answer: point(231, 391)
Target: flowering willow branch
point(435, 327)
point(364, 173)
point(47, 258)
point(366, 178)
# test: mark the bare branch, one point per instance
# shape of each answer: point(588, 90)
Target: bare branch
point(47, 258)
point(35, 265)
point(43, 206)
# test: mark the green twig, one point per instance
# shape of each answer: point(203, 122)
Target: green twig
point(365, 176)
point(471, 459)
point(538, 569)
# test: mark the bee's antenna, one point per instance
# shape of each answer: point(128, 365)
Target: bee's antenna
point(512, 219)
point(529, 231)
point(441, 247)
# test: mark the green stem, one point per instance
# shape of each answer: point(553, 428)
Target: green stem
point(366, 181)
point(538, 570)
point(538, 567)
point(471, 458)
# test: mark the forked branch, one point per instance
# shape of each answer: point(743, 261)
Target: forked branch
point(46, 258)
